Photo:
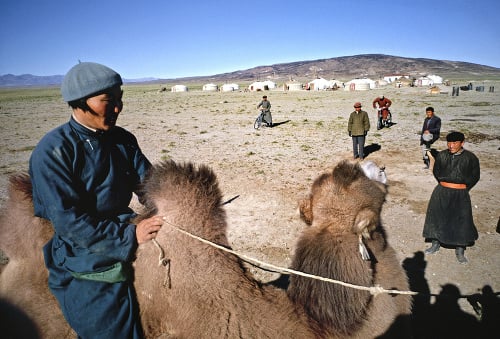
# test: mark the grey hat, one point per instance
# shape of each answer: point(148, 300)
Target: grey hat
point(87, 78)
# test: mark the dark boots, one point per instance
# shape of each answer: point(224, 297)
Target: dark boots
point(427, 163)
point(434, 247)
point(427, 160)
point(459, 252)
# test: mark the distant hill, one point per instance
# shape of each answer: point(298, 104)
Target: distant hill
point(26, 80)
point(374, 66)
point(10, 80)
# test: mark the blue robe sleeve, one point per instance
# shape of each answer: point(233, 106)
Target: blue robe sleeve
point(92, 229)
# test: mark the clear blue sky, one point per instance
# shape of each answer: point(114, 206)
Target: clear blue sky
point(170, 39)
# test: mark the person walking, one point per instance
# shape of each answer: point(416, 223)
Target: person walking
point(84, 173)
point(265, 107)
point(449, 214)
point(357, 127)
point(431, 130)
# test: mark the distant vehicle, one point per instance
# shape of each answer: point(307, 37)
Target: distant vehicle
point(384, 117)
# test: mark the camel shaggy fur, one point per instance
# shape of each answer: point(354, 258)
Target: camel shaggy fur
point(343, 210)
point(24, 280)
point(188, 289)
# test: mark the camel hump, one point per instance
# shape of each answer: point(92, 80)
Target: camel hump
point(183, 180)
point(180, 174)
point(21, 182)
point(345, 173)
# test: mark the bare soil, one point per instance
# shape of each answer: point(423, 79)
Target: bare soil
point(267, 171)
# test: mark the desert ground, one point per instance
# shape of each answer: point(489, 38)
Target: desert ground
point(268, 170)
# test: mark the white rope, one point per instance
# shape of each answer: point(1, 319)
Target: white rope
point(374, 290)
point(162, 253)
point(163, 262)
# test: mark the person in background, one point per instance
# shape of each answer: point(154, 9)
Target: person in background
point(357, 127)
point(430, 133)
point(84, 174)
point(381, 101)
point(449, 213)
point(265, 107)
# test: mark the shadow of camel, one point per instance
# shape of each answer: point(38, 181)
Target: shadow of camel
point(15, 323)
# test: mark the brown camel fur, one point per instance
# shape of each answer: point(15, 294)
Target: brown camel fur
point(204, 292)
point(24, 280)
point(195, 290)
point(343, 207)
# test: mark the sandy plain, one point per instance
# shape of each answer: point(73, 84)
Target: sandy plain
point(267, 171)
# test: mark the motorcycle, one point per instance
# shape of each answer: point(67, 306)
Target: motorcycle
point(384, 117)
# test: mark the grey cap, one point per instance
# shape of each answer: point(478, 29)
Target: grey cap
point(87, 78)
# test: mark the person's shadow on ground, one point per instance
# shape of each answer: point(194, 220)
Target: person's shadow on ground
point(275, 124)
point(389, 126)
point(448, 320)
point(415, 270)
point(487, 307)
point(367, 150)
point(445, 319)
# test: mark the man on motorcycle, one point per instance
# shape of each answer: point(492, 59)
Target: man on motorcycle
point(382, 105)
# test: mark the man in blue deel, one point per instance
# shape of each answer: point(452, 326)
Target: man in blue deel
point(84, 173)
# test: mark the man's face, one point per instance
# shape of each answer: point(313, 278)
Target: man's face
point(104, 110)
point(429, 114)
point(455, 146)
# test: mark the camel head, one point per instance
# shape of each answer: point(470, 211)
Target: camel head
point(343, 209)
point(346, 194)
point(374, 172)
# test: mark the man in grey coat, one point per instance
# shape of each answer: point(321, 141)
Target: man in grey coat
point(265, 107)
point(357, 127)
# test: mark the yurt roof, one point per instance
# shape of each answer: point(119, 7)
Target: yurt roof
point(319, 81)
point(435, 78)
point(361, 81)
point(231, 87)
point(266, 82)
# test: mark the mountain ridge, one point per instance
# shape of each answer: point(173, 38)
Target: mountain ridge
point(345, 67)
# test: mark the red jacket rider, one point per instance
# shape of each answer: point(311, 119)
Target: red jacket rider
point(382, 102)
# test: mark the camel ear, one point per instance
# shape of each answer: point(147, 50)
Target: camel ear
point(305, 210)
point(365, 222)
